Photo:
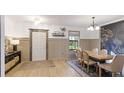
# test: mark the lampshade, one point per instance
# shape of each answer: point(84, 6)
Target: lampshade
point(15, 42)
point(97, 28)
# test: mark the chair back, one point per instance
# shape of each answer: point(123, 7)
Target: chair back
point(103, 52)
point(123, 71)
point(79, 54)
point(85, 56)
point(95, 50)
point(117, 63)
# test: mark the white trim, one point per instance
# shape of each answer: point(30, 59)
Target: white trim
point(121, 19)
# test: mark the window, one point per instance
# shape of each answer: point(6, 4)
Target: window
point(74, 39)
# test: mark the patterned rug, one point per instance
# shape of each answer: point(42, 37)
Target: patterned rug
point(82, 70)
point(77, 67)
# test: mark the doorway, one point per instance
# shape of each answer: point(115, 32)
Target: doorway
point(38, 44)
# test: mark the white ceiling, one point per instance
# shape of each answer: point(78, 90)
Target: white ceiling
point(70, 20)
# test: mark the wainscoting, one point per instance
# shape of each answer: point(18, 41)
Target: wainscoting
point(25, 48)
point(57, 48)
point(89, 44)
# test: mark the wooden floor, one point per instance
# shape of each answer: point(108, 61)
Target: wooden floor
point(43, 69)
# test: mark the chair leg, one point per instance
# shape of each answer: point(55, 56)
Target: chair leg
point(113, 74)
point(88, 68)
point(100, 71)
point(83, 65)
point(97, 70)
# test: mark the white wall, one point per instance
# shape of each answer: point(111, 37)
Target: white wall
point(84, 34)
point(21, 29)
point(10, 27)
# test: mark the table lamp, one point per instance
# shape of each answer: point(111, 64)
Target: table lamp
point(15, 43)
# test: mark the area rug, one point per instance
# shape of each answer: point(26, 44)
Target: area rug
point(82, 71)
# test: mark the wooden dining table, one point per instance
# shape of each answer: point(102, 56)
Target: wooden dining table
point(101, 58)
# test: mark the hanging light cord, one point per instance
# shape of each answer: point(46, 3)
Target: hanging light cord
point(93, 21)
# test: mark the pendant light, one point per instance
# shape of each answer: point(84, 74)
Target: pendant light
point(93, 27)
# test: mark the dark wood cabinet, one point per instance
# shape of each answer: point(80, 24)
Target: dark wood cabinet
point(11, 60)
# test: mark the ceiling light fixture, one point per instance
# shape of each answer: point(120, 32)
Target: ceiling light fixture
point(93, 27)
point(37, 20)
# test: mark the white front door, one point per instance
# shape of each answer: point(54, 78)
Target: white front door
point(39, 46)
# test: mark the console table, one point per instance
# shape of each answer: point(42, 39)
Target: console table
point(11, 60)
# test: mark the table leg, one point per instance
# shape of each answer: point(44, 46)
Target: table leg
point(97, 70)
point(100, 71)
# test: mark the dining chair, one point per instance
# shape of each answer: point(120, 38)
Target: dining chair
point(123, 71)
point(114, 67)
point(88, 61)
point(95, 50)
point(103, 52)
point(79, 56)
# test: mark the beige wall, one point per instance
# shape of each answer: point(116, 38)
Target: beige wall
point(57, 48)
point(25, 48)
point(89, 44)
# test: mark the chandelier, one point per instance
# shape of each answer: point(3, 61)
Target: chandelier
point(93, 27)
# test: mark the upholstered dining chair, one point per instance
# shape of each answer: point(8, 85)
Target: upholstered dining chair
point(88, 61)
point(123, 71)
point(79, 56)
point(103, 52)
point(95, 50)
point(114, 67)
